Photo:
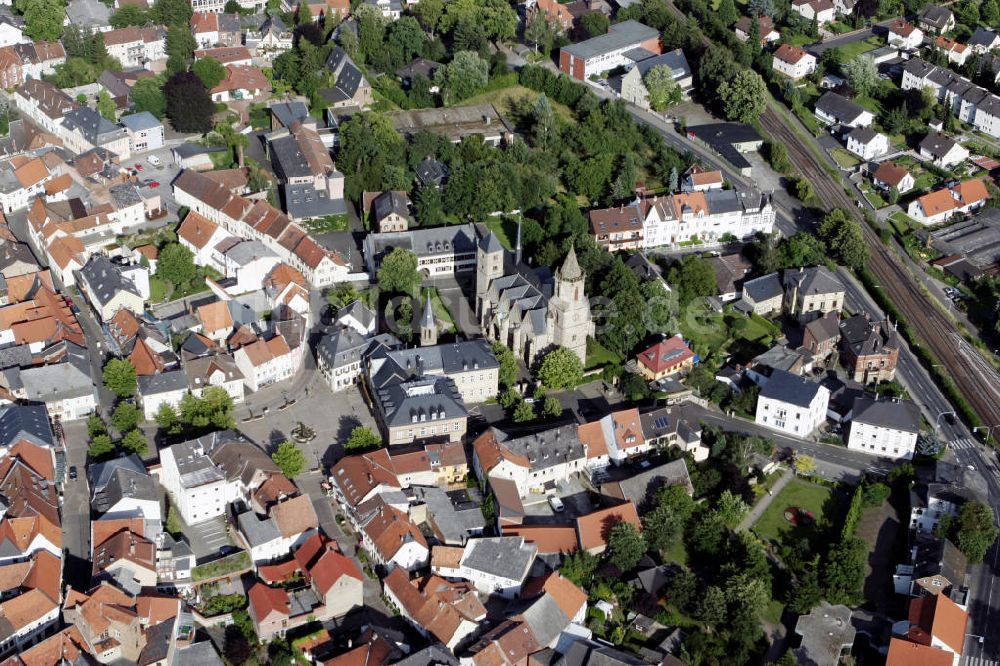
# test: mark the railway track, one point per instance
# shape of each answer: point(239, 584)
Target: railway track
point(927, 321)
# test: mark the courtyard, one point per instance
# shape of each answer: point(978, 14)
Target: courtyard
point(802, 510)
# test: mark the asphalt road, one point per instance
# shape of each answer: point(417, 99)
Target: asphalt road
point(76, 509)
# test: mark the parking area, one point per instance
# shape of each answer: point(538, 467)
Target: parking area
point(208, 537)
point(574, 498)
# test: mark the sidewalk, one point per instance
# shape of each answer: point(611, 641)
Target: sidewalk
point(760, 507)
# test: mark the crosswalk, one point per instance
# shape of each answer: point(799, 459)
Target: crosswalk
point(963, 444)
point(978, 661)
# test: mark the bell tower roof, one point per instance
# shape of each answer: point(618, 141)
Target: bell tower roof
point(570, 270)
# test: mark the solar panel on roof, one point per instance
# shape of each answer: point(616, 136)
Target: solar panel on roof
point(660, 422)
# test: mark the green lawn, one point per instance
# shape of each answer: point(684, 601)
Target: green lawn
point(440, 311)
point(598, 355)
point(505, 100)
point(854, 49)
point(758, 328)
point(676, 553)
point(157, 289)
point(844, 158)
point(326, 224)
point(801, 494)
point(874, 196)
point(505, 229)
point(707, 332)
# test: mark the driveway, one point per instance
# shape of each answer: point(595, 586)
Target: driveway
point(208, 537)
point(76, 509)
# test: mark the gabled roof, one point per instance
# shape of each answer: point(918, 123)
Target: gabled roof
point(936, 617)
point(891, 173)
point(906, 653)
point(666, 354)
point(294, 516)
point(594, 528)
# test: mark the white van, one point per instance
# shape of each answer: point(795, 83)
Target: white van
point(556, 504)
point(154, 160)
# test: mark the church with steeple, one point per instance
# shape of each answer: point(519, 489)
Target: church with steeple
point(527, 308)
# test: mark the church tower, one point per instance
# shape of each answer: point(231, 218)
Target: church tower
point(572, 321)
point(489, 267)
point(428, 325)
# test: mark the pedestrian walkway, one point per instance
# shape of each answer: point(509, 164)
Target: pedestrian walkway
point(760, 507)
point(979, 661)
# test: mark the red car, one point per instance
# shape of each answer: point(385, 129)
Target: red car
point(138, 167)
point(154, 183)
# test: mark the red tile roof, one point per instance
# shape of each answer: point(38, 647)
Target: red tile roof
point(666, 354)
point(593, 529)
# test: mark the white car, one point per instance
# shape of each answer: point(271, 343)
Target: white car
point(556, 504)
point(154, 160)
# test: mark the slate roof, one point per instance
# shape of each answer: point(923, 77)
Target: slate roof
point(58, 381)
point(901, 415)
point(812, 281)
point(431, 172)
point(937, 144)
point(28, 422)
point(387, 203)
point(420, 400)
point(287, 113)
point(303, 201)
point(458, 239)
point(164, 382)
point(349, 78)
point(94, 127)
point(619, 36)
point(839, 107)
point(124, 483)
point(640, 488)
point(788, 388)
point(257, 531)
point(763, 288)
point(104, 279)
point(138, 122)
point(504, 557)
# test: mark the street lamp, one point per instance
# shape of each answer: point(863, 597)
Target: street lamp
point(937, 422)
point(988, 429)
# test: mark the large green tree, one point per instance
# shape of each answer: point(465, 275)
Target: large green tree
point(43, 19)
point(147, 95)
point(595, 23)
point(397, 274)
point(180, 48)
point(497, 17)
point(508, 365)
point(744, 97)
point(289, 459)
point(626, 546)
point(362, 439)
point(210, 71)
point(844, 572)
point(135, 442)
point(172, 12)
point(560, 368)
point(129, 15)
point(106, 106)
point(463, 77)
point(663, 90)
point(119, 377)
point(974, 530)
point(125, 417)
point(176, 264)
point(862, 75)
point(189, 106)
point(372, 154)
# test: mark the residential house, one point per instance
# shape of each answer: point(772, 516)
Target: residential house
point(886, 428)
point(216, 29)
point(390, 537)
point(793, 62)
point(43, 103)
point(956, 53)
point(145, 131)
point(866, 143)
point(664, 430)
point(905, 35)
point(214, 370)
point(126, 558)
point(827, 635)
point(984, 40)
point(942, 150)
point(350, 88)
point(792, 404)
point(633, 87)
point(357, 316)
point(425, 408)
point(122, 488)
point(941, 205)
point(697, 179)
point(428, 68)
point(564, 15)
point(765, 295)
point(812, 292)
point(65, 388)
point(111, 287)
point(765, 29)
point(339, 357)
point(938, 622)
point(822, 11)
point(469, 363)
point(40, 58)
point(834, 109)
point(666, 358)
point(11, 68)
point(270, 40)
point(618, 228)
point(290, 524)
point(107, 619)
point(730, 272)
point(871, 349)
point(967, 101)
point(942, 497)
point(606, 52)
point(137, 47)
point(891, 175)
point(84, 128)
point(203, 237)
point(449, 612)
point(389, 211)
point(21, 180)
point(311, 185)
point(162, 388)
point(494, 565)
point(820, 336)
point(266, 362)
point(534, 462)
point(935, 567)
point(936, 20)
point(241, 82)
point(11, 31)
point(641, 489)
point(235, 56)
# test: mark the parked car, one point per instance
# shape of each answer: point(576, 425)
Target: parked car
point(556, 504)
point(138, 167)
point(72, 473)
point(154, 160)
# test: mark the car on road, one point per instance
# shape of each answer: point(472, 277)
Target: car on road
point(72, 473)
point(154, 183)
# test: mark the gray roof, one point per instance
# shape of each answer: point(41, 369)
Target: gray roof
point(935, 15)
point(124, 483)
point(901, 415)
point(448, 359)
point(104, 280)
point(619, 36)
point(15, 253)
point(239, 458)
point(288, 113)
point(18, 356)
point(69, 379)
point(863, 135)
point(359, 311)
point(199, 654)
point(763, 288)
point(88, 13)
point(347, 75)
point(257, 531)
point(457, 239)
point(934, 556)
point(29, 422)
point(824, 631)
point(199, 369)
point(164, 382)
point(288, 159)
point(431, 172)
point(641, 487)
point(983, 37)
point(490, 243)
point(455, 516)
point(342, 348)
point(786, 387)
point(839, 107)
point(427, 318)
point(675, 60)
point(387, 203)
point(138, 122)
point(157, 643)
point(812, 281)
point(434, 655)
point(937, 144)
point(303, 201)
point(546, 619)
point(94, 127)
point(507, 557)
point(590, 653)
point(125, 195)
point(977, 238)
point(548, 447)
point(193, 466)
point(421, 400)
point(100, 473)
point(249, 251)
point(418, 67)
